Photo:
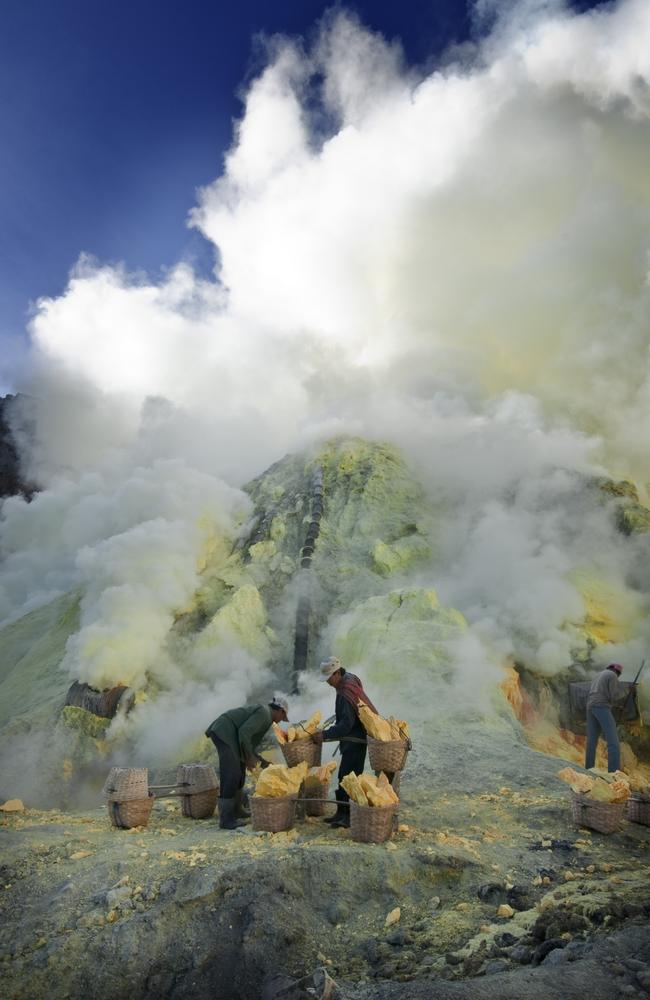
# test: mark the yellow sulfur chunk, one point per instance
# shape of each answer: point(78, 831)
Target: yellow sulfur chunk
point(617, 791)
point(374, 725)
point(366, 790)
point(310, 726)
point(578, 782)
point(399, 729)
point(278, 780)
point(317, 777)
point(351, 785)
point(280, 734)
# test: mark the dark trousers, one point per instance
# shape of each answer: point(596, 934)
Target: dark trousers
point(231, 770)
point(353, 758)
point(601, 720)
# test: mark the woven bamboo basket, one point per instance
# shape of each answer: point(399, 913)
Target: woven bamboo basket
point(127, 784)
point(195, 778)
point(637, 809)
point(304, 749)
point(273, 814)
point(387, 755)
point(371, 824)
point(605, 817)
point(312, 806)
point(134, 812)
point(200, 805)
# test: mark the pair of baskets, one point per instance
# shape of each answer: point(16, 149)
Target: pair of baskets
point(129, 800)
point(604, 817)
point(385, 755)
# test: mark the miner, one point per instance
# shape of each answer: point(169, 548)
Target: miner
point(605, 692)
point(349, 692)
point(237, 734)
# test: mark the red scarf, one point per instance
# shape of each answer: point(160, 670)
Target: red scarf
point(351, 689)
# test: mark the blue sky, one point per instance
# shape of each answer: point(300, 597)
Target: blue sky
point(112, 114)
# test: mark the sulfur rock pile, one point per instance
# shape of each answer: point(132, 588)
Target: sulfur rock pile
point(279, 780)
point(319, 776)
point(299, 731)
point(367, 790)
point(602, 787)
point(382, 729)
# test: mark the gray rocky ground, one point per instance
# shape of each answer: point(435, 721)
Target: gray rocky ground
point(181, 909)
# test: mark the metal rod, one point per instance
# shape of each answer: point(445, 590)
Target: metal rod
point(623, 708)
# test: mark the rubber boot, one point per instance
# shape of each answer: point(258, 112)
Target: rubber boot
point(241, 809)
point(339, 815)
point(343, 819)
point(227, 818)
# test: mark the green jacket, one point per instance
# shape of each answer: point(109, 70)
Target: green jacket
point(243, 729)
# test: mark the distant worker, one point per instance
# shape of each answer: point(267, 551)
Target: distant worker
point(349, 691)
point(237, 734)
point(605, 692)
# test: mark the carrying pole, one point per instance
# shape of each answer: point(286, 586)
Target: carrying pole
point(631, 692)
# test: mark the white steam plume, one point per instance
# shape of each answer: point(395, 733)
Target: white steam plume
point(458, 261)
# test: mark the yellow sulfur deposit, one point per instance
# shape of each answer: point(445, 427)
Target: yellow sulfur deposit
point(602, 787)
point(382, 729)
point(578, 782)
point(319, 776)
point(278, 779)
point(615, 791)
point(298, 732)
point(366, 790)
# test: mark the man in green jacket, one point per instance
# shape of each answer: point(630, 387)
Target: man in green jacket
point(236, 734)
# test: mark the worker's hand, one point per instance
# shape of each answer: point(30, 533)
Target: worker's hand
point(251, 763)
point(317, 737)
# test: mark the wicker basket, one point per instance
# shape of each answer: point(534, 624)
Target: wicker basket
point(371, 824)
point(605, 817)
point(127, 784)
point(637, 809)
point(200, 805)
point(134, 812)
point(195, 778)
point(387, 755)
point(303, 749)
point(273, 814)
point(312, 806)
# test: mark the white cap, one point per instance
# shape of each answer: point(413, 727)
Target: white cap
point(329, 667)
point(277, 701)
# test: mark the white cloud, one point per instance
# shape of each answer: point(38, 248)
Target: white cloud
point(456, 261)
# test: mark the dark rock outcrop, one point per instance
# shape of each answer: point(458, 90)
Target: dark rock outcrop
point(11, 479)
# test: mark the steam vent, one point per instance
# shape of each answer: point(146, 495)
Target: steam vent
point(487, 888)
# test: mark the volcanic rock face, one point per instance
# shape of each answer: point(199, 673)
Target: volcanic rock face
point(11, 480)
point(368, 597)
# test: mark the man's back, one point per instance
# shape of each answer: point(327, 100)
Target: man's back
point(604, 690)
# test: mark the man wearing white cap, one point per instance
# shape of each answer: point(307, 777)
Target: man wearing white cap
point(236, 734)
point(349, 692)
